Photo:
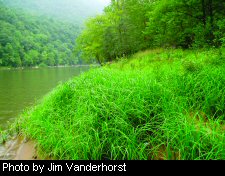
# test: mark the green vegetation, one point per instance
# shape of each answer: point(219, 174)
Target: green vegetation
point(31, 40)
point(159, 104)
point(3, 136)
point(72, 11)
point(159, 95)
point(128, 26)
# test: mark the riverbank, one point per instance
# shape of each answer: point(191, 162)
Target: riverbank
point(5, 68)
point(59, 66)
point(158, 104)
point(18, 148)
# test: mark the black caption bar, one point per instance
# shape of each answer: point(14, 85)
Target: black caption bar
point(63, 166)
point(104, 167)
point(72, 167)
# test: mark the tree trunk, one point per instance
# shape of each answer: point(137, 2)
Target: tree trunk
point(203, 13)
point(99, 61)
point(211, 20)
point(211, 12)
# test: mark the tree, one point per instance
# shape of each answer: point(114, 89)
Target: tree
point(29, 40)
point(91, 40)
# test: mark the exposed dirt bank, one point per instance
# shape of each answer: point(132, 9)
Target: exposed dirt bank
point(18, 149)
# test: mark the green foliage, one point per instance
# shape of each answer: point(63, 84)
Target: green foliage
point(128, 26)
point(29, 40)
point(42, 65)
point(220, 34)
point(153, 106)
point(3, 136)
point(118, 32)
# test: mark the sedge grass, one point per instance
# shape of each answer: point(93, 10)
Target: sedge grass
point(156, 105)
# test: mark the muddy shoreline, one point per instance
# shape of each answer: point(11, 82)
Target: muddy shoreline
point(18, 148)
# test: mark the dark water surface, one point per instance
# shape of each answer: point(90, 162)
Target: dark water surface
point(21, 88)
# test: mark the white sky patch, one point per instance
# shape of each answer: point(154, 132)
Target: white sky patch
point(105, 2)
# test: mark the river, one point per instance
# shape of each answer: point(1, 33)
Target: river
point(21, 88)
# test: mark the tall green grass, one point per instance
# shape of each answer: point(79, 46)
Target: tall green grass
point(156, 105)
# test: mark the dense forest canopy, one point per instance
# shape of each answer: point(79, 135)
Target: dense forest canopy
point(128, 26)
point(30, 36)
point(27, 40)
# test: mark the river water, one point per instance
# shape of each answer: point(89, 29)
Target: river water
point(21, 88)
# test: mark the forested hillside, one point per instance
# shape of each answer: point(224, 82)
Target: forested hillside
point(74, 11)
point(31, 40)
point(128, 26)
point(39, 32)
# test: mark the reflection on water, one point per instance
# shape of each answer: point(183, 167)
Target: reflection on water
point(21, 88)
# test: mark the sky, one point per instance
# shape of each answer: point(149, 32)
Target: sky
point(105, 2)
